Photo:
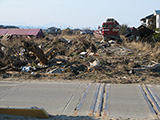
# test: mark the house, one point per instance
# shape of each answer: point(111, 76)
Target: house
point(23, 32)
point(152, 21)
point(157, 14)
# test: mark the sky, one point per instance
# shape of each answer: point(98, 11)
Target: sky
point(74, 13)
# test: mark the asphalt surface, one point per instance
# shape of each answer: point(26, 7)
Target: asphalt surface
point(81, 98)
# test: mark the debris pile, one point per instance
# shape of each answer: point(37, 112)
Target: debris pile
point(141, 33)
point(80, 57)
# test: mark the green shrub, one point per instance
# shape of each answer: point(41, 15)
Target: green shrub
point(124, 29)
point(156, 35)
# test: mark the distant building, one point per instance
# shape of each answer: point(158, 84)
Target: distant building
point(152, 20)
point(23, 32)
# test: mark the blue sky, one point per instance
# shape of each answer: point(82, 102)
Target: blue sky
point(74, 13)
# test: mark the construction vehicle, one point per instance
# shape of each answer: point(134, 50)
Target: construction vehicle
point(109, 31)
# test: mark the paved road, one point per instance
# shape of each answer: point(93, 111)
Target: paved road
point(81, 99)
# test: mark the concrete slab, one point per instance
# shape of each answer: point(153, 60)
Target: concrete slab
point(7, 86)
point(155, 92)
point(53, 97)
point(74, 99)
point(86, 105)
point(127, 101)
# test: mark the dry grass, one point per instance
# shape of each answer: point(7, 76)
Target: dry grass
point(145, 49)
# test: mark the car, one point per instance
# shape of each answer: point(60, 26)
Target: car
point(86, 32)
point(54, 31)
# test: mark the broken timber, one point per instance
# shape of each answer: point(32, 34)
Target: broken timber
point(37, 51)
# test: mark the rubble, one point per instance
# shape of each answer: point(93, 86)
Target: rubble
point(73, 57)
point(56, 70)
point(36, 50)
point(95, 64)
point(155, 67)
point(141, 33)
point(26, 69)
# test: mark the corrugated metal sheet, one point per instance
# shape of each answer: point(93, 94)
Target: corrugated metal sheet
point(34, 32)
point(12, 31)
point(3, 31)
point(23, 32)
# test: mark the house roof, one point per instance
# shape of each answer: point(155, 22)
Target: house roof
point(157, 11)
point(147, 17)
point(33, 31)
point(3, 31)
point(20, 31)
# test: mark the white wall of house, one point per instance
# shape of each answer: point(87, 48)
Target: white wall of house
point(147, 22)
point(143, 23)
point(158, 21)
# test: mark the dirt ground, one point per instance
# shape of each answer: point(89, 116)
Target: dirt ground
point(116, 62)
